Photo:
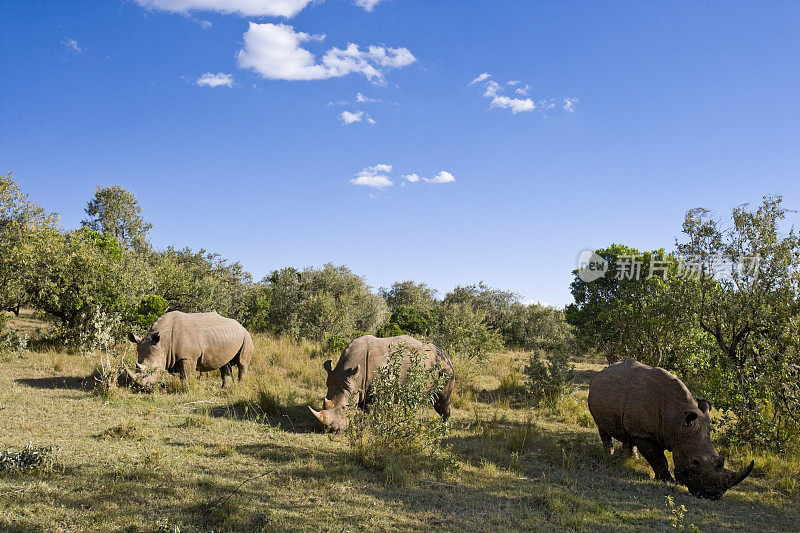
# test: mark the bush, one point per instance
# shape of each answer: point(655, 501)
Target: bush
point(316, 304)
point(459, 328)
point(405, 321)
point(393, 435)
point(549, 381)
point(29, 459)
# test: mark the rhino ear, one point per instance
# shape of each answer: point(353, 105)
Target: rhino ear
point(134, 338)
point(352, 371)
point(327, 366)
point(704, 405)
point(156, 337)
point(327, 404)
point(690, 417)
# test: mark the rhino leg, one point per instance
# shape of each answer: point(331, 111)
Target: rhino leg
point(227, 375)
point(654, 454)
point(605, 438)
point(242, 370)
point(184, 369)
point(628, 448)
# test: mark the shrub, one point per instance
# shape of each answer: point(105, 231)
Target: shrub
point(459, 328)
point(405, 321)
point(29, 459)
point(393, 435)
point(549, 381)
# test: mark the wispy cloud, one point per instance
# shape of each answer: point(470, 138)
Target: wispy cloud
point(215, 80)
point(523, 90)
point(442, 177)
point(480, 77)
point(71, 45)
point(349, 118)
point(360, 98)
point(368, 5)
point(517, 104)
point(374, 177)
point(244, 8)
point(274, 51)
point(352, 117)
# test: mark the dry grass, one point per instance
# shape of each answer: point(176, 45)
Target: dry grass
point(168, 460)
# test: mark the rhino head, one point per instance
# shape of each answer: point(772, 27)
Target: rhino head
point(697, 464)
point(341, 385)
point(151, 358)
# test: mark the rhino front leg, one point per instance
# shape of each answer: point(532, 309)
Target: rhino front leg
point(185, 369)
point(227, 375)
point(654, 454)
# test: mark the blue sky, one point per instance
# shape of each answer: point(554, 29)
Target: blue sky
point(671, 106)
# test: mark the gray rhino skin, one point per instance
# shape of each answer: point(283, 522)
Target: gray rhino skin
point(653, 410)
point(183, 342)
point(358, 365)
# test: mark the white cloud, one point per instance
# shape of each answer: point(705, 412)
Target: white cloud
point(368, 5)
point(371, 121)
point(72, 45)
point(206, 25)
point(569, 104)
point(215, 80)
point(348, 118)
point(514, 82)
point(360, 98)
point(274, 51)
point(516, 105)
point(480, 78)
point(523, 90)
point(413, 178)
point(374, 176)
point(441, 177)
point(244, 8)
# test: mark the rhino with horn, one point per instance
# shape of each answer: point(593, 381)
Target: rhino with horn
point(358, 365)
point(184, 342)
point(653, 410)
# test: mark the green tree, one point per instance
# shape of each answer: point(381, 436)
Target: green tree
point(460, 328)
point(538, 327)
point(23, 225)
point(317, 303)
point(746, 299)
point(410, 294)
point(115, 211)
point(494, 304)
point(634, 310)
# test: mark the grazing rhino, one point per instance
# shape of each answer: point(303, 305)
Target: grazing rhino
point(183, 342)
point(653, 410)
point(359, 364)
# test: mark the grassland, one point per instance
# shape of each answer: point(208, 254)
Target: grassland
point(198, 458)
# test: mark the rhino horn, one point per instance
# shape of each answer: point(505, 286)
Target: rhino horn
point(317, 415)
point(734, 478)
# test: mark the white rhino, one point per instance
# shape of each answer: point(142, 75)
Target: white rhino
point(184, 342)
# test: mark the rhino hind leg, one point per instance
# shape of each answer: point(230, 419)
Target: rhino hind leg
point(227, 375)
point(605, 438)
point(654, 454)
point(242, 370)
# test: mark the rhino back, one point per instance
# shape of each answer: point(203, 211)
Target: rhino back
point(630, 399)
point(209, 338)
point(369, 354)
